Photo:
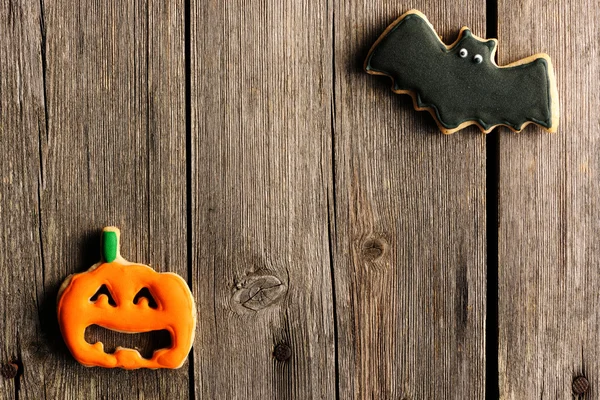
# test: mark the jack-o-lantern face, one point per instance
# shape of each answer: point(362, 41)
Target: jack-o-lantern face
point(174, 310)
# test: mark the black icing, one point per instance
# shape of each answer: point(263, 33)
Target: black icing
point(460, 89)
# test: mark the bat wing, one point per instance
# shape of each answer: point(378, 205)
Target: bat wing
point(513, 96)
point(458, 88)
point(405, 53)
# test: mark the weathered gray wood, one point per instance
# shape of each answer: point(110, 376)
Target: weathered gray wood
point(21, 125)
point(113, 152)
point(261, 134)
point(410, 224)
point(548, 235)
point(92, 128)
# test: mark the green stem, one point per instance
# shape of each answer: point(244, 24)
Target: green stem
point(110, 244)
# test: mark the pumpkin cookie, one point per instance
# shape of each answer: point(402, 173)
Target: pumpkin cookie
point(174, 309)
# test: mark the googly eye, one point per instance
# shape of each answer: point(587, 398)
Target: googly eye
point(477, 58)
point(463, 53)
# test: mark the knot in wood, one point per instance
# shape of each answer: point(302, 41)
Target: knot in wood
point(9, 370)
point(282, 352)
point(373, 249)
point(257, 292)
point(580, 385)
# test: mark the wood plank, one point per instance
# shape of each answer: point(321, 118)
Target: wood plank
point(113, 154)
point(261, 134)
point(548, 232)
point(21, 124)
point(410, 223)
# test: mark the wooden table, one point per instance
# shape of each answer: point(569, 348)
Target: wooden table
point(337, 245)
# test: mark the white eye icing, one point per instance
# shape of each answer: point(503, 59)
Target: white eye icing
point(463, 53)
point(477, 58)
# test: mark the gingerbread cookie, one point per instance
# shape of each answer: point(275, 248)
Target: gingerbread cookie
point(173, 309)
point(460, 84)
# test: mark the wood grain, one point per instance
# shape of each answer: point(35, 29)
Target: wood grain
point(410, 225)
point(338, 239)
point(549, 230)
point(21, 124)
point(111, 89)
point(261, 171)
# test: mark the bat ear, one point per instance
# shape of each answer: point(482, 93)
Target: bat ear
point(465, 32)
point(491, 44)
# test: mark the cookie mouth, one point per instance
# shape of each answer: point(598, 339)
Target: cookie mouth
point(146, 343)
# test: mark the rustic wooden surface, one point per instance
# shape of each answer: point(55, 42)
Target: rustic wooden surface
point(409, 224)
point(549, 286)
point(21, 125)
point(334, 240)
point(93, 123)
point(261, 174)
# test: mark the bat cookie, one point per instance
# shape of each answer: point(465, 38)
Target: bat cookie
point(460, 84)
point(132, 298)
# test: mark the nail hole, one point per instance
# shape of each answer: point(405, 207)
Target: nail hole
point(580, 385)
point(9, 370)
point(282, 352)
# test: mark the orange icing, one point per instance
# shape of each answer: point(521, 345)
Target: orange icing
point(175, 313)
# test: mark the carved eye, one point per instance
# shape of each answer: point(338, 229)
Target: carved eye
point(103, 292)
point(463, 53)
point(477, 58)
point(145, 294)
